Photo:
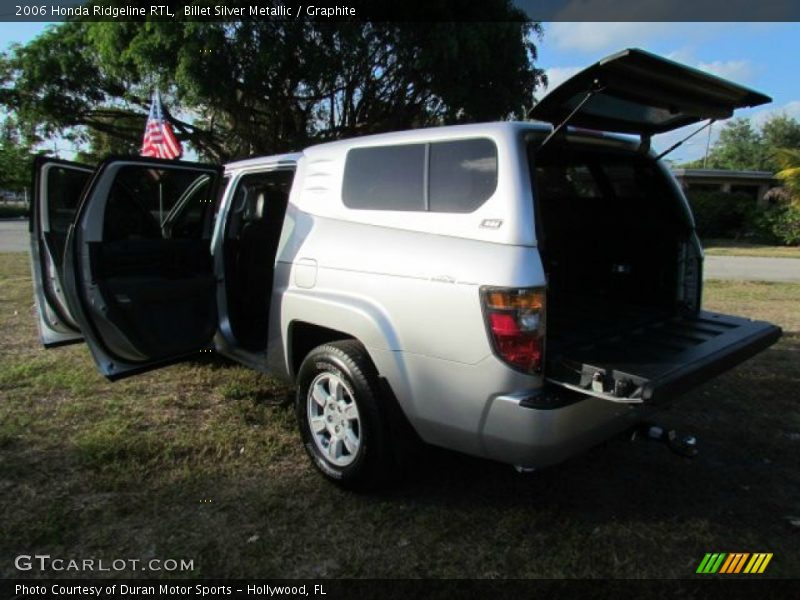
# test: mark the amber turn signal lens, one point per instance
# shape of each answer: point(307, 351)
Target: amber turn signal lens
point(515, 299)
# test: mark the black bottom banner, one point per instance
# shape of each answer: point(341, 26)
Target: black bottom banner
point(412, 589)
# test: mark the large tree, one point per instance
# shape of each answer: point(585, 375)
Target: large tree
point(250, 87)
point(741, 145)
point(16, 160)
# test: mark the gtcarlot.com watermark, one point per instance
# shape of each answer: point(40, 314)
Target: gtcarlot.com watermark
point(47, 563)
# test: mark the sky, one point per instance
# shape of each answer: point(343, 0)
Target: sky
point(763, 56)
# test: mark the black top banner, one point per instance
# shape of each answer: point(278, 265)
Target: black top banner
point(408, 11)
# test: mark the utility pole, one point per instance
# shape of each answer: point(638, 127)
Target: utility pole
point(708, 145)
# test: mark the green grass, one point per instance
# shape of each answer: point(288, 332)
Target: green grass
point(202, 461)
point(717, 247)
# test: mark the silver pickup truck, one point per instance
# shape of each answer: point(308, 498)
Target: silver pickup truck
point(518, 291)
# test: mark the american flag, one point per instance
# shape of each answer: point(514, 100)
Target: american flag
point(159, 139)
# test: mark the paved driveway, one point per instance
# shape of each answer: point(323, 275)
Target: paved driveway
point(14, 238)
point(752, 268)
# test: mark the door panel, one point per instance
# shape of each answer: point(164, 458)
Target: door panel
point(57, 189)
point(140, 271)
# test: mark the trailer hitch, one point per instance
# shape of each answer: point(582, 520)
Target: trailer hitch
point(685, 446)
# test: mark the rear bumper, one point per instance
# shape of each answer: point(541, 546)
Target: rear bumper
point(533, 437)
point(537, 429)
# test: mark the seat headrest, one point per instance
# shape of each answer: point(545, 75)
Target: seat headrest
point(254, 205)
point(261, 201)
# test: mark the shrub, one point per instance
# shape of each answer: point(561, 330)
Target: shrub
point(13, 211)
point(721, 214)
point(779, 223)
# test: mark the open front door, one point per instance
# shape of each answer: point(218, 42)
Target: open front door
point(139, 273)
point(57, 188)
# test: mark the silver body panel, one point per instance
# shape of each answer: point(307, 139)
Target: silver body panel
point(406, 285)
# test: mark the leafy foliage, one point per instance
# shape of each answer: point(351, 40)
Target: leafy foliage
point(779, 131)
point(103, 144)
point(720, 214)
point(736, 216)
point(739, 147)
point(263, 87)
point(789, 161)
point(16, 161)
point(742, 146)
point(778, 223)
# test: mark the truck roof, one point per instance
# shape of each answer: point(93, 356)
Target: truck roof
point(260, 161)
point(422, 134)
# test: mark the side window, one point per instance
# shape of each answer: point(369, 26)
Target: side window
point(187, 219)
point(385, 178)
point(157, 204)
point(259, 201)
point(449, 177)
point(463, 175)
point(64, 187)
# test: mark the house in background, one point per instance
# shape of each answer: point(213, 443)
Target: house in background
point(754, 184)
point(12, 196)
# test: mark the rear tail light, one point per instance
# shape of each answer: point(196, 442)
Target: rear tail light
point(515, 319)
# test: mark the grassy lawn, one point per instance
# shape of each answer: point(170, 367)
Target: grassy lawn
point(201, 461)
point(737, 248)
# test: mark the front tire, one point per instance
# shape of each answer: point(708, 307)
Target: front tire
point(342, 423)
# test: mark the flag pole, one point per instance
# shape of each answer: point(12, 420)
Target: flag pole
point(160, 183)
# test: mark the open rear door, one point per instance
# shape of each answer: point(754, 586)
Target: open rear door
point(636, 92)
point(57, 189)
point(139, 273)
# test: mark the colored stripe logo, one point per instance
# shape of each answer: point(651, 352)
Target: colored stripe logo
point(734, 563)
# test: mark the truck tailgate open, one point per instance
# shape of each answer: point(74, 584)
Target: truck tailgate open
point(654, 361)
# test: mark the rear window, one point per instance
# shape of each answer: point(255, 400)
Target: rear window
point(448, 177)
point(567, 180)
point(575, 187)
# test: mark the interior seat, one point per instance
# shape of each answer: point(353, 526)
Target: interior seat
point(255, 269)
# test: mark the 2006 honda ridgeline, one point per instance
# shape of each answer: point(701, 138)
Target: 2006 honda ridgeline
point(515, 291)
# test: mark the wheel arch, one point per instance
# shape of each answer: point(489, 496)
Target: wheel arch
point(312, 318)
point(322, 317)
point(303, 337)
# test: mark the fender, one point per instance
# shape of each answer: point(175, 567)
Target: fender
point(357, 317)
point(364, 320)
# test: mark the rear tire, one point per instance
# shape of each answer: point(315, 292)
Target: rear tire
point(342, 422)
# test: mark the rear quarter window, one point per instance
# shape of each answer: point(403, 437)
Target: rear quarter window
point(385, 178)
point(447, 177)
point(463, 175)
